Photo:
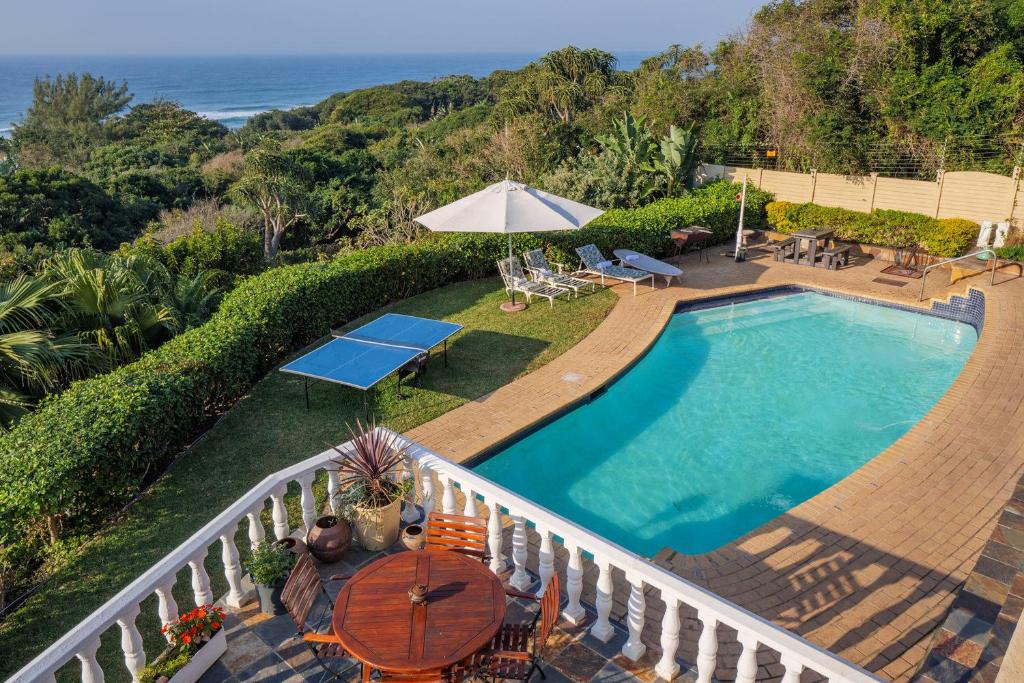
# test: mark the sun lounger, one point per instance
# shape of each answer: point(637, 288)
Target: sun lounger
point(541, 271)
point(515, 281)
point(592, 261)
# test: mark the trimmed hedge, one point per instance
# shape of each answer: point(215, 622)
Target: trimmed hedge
point(86, 452)
point(946, 237)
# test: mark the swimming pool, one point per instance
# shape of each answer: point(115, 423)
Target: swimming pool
point(737, 414)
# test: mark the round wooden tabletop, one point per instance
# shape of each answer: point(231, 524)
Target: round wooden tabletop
point(378, 625)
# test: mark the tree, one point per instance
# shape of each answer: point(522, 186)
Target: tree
point(275, 185)
point(66, 118)
point(33, 360)
point(678, 159)
point(633, 149)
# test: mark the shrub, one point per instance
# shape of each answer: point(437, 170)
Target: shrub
point(91, 449)
point(945, 238)
point(269, 564)
point(1013, 252)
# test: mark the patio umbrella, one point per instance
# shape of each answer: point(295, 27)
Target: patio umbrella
point(509, 207)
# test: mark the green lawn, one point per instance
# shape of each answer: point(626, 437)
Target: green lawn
point(271, 429)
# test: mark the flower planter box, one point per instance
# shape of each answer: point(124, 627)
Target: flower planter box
point(202, 660)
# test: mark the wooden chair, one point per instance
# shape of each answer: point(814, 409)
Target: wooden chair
point(515, 653)
point(300, 593)
point(466, 535)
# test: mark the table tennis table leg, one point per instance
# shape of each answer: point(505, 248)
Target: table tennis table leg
point(306, 379)
point(446, 353)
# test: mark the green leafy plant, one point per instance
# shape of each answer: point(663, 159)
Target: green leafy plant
point(269, 563)
point(678, 159)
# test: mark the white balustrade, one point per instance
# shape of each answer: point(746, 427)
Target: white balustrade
point(167, 608)
point(256, 531)
point(333, 489)
point(469, 508)
point(667, 668)
point(634, 648)
point(410, 514)
point(520, 579)
point(574, 612)
point(307, 502)
point(707, 647)
point(279, 512)
point(131, 643)
point(796, 654)
point(232, 570)
point(200, 580)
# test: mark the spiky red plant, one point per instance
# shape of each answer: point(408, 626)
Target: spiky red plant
point(371, 463)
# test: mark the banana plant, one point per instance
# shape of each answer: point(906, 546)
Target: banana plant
point(678, 159)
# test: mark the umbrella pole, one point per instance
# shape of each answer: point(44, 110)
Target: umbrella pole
point(513, 306)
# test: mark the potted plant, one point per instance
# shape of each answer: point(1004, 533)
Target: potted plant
point(197, 640)
point(269, 566)
point(371, 491)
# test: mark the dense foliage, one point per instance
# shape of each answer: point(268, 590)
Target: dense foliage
point(944, 237)
point(90, 449)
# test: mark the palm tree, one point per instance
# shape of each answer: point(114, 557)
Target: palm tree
point(111, 302)
point(572, 77)
point(191, 300)
point(33, 360)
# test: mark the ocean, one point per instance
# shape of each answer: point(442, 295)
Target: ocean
point(230, 89)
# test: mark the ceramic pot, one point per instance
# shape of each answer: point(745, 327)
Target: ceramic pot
point(270, 598)
point(378, 528)
point(294, 546)
point(329, 539)
point(414, 537)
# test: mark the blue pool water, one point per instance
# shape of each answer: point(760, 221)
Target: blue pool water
point(737, 414)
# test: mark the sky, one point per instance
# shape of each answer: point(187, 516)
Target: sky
point(203, 27)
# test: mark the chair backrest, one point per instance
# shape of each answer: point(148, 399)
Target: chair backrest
point(467, 535)
point(590, 255)
point(301, 591)
point(424, 677)
point(535, 259)
point(549, 608)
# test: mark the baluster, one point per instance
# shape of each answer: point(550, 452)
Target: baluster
point(574, 612)
point(131, 643)
point(200, 581)
point(279, 513)
point(634, 648)
point(520, 579)
point(333, 489)
point(232, 569)
point(602, 628)
point(48, 678)
point(167, 608)
point(793, 668)
point(307, 502)
point(427, 482)
point(494, 538)
point(545, 560)
point(707, 647)
point(256, 531)
point(746, 667)
point(410, 514)
point(667, 668)
point(91, 671)
point(469, 509)
point(448, 501)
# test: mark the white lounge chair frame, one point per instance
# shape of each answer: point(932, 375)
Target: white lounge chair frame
point(591, 256)
point(539, 268)
point(515, 281)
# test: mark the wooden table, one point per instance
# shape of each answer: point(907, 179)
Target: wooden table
point(378, 625)
point(812, 236)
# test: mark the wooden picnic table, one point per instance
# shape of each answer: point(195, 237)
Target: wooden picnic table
point(377, 623)
point(812, 235)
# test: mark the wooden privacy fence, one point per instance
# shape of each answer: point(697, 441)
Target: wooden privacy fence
point(953, 194)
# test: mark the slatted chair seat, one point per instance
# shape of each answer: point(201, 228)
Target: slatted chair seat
point(462, 534)
point(516, 651)
point(300, 594)
point(515, 281)
point(541, 271)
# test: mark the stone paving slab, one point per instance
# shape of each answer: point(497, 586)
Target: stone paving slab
point(869, 567)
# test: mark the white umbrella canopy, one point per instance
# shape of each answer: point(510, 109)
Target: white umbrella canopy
point(509, 207)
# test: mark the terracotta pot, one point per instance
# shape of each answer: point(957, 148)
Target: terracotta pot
point(329, 539)
point(414, 537)
point(378, 528)
point(294, 546)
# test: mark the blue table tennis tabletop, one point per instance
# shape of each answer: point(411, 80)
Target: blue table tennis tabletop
point(367, 355)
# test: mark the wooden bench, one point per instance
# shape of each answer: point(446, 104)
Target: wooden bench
point(784, 249)
point(835, 256)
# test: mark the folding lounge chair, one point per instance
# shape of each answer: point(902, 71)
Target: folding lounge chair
point(515, 281)
point(594, 262)
point(541, 272)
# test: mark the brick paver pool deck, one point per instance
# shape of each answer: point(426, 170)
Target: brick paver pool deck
point(869, 567)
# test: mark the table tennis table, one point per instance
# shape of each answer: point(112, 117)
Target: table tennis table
point(365, 356)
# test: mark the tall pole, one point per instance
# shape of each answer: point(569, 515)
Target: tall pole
point(510, 266)
point(738, 255)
